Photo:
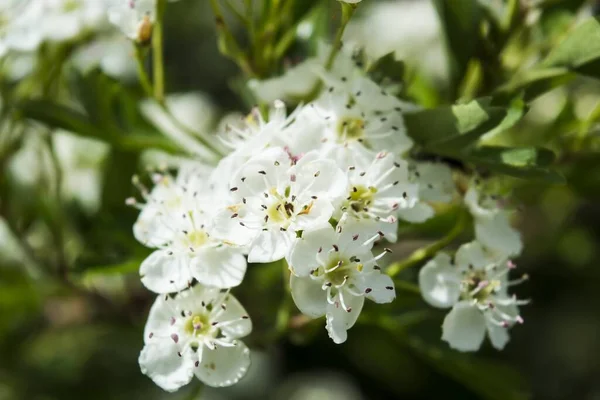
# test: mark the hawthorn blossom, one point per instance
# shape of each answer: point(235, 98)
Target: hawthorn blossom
point(197, 333)
point(492, 223)
point(435, 186)
point(355, 111)
point(333, 270)
point(178, 222)
point(274, 197)
point(475, 285)
point(379, 189)
point(134, 18)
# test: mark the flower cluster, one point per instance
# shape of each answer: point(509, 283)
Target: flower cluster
point(321, 189)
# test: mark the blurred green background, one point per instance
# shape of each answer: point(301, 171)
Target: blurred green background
point(72, 309)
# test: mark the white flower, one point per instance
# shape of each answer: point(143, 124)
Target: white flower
point(178, 220)
point(379, 189)
point(475, 286)
point(19, 29)
point(333, 271)
point(435, 185)
point(492, 223)
point(196, 333)
point(112, 54)
point(274, 197)
point(134, 17)
point(355, 111)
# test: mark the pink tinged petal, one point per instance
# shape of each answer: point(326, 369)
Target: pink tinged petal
point(496, 233)
point(234, 321)
point(223, 366)
point(302, 257)
point(339, 320)
point(309, 296)
point(161, 361)
point(464, 327)
point(222, 267)
point(165, 272)
point(270, 246)
point(439, 282)
point(421, 212)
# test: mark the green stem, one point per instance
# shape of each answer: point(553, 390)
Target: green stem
point(157, 48)
point(142, 74)
point(347, 12)
point(228, 46)
point(424, 253)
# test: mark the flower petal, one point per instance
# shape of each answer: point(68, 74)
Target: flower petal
point(234, 311)
point(161, 362)
point(223, 366)
point(439, 281)
point(308, 295)
point(376, 286)
point(498, 335)
point(222, 267)
point(464, 327)
point(269, 246)
point(318, 213)
point(471, 255)
point(302, 257)
point(421, 212)
point(164, 273)
point(496, 233)
point(339, 320)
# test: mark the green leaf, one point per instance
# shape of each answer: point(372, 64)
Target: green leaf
point(460, 21)
point(579, 51)
point(387, 67)
point(534, 83)
point(520, 162)
point(58, 116)
point(489, 380)
point(453, 127)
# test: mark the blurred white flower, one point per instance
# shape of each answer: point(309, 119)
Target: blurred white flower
point(112, 54)
point(273, 197)
point(410, 29)
point(475, 285)
point(134, 18)
point(194, 112)
point(492, 223)
point(196, 333)
point(80, 160)
point(333, 270)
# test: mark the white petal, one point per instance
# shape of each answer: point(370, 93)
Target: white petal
point(270, 246)
point(435, 182)
point(421, 212)
point(308, 295)
point(222, 267)
point(496, 233)
point(439, 282)
point(302, 257)
point(164, 273)
point(234, 311)
point(376, 286)
point(261, 172)
point(223, 366)
point(229, 229)
point(321, 178)
point(319, 213)
point(339, 320)
point(471, 255)
point(464, 327)
point(159, 318)
point(160, 361)
point(498, 335)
